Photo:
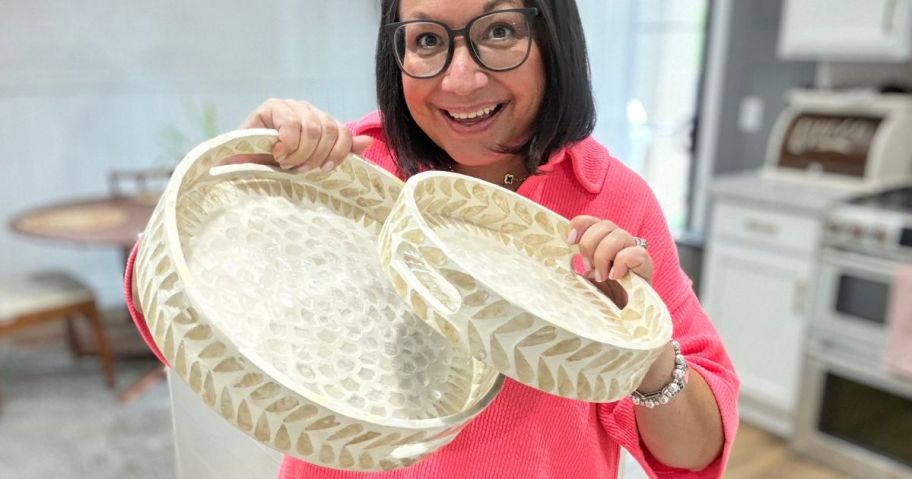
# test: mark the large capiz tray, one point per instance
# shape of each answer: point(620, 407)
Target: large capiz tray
point(264, 292)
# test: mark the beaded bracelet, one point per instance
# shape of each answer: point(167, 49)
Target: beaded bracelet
point(672, 389)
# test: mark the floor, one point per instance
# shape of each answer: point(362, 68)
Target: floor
point(58, 420)
point(760, 455)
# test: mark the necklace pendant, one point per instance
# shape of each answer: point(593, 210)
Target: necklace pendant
point(509, 179)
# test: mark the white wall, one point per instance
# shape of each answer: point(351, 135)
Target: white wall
point(91, 85)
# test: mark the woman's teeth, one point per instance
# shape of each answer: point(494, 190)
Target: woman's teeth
point(473, 116)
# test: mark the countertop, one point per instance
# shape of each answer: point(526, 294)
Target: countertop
point(805, 195)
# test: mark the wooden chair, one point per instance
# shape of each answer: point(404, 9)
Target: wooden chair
point(53, 296)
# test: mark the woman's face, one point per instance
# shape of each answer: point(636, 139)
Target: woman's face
point(469, 111)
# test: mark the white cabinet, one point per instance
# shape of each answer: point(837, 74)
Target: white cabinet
point(846, 30)
point(756, 280)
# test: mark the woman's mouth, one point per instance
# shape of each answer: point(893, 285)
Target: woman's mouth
point(474, 117)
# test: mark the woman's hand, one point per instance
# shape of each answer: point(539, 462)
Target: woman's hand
point(608, 253)
point(308, 137)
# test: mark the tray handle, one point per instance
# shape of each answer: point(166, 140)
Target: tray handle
point(199, 161)
point(631, 282)
point(409, 263)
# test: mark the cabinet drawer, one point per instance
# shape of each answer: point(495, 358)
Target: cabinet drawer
point(776, 229)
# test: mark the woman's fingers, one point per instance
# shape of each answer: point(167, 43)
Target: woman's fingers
point(308, 137)
point(341, 147)
point(361, 143)
point(579, 225)
point(260, 117)
point(632, 258)
point(282, 117)
point(320, 156)
point(607, 251)
point(589, 232)
point(305, 126)
point(604, 256)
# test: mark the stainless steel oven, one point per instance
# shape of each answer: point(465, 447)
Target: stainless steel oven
point(854, 415)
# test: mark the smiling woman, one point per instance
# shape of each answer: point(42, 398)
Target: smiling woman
point(500, 90)
point(494, 69)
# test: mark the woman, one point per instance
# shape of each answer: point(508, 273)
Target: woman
point(499, 90)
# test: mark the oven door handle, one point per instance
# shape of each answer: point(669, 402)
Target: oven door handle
point(877, 267)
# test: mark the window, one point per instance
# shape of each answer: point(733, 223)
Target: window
point(647, 58)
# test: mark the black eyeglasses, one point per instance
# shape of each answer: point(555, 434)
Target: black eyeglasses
point(498, 41)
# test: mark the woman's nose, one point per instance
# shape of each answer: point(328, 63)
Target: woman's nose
point(464, 76)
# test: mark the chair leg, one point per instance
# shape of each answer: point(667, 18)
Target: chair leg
point(101, 343)
point(73, 338)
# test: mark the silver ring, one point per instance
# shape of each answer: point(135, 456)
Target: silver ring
point(641, 242)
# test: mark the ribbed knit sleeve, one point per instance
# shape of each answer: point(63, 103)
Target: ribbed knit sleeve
point(700, 343)
point(138, 319)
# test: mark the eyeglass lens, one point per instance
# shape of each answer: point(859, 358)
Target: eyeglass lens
point(500, 40)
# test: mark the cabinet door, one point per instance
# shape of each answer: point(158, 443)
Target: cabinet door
point(850, 30)
point(758, 299)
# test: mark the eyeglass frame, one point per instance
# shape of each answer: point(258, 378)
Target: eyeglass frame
point(530, 13)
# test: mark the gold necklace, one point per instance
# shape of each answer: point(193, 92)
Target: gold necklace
point(510, 179)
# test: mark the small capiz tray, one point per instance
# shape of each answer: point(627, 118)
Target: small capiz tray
point(491, 271)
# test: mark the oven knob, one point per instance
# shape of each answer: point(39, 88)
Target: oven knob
point(880, 235)
point(833, 227)
point(857, 232)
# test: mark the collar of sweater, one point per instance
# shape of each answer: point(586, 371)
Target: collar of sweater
point(590, 161)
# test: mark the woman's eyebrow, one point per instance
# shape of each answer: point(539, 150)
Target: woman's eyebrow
point(492, 4)
point(488, 7)
point(418, 15)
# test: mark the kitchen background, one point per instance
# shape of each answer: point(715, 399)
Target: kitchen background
point(689, 94)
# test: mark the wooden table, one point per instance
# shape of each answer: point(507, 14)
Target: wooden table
point(100, 221)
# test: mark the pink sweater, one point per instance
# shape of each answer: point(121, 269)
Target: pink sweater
point(526, 433)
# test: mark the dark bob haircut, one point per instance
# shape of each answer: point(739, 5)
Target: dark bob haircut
point(566, 114)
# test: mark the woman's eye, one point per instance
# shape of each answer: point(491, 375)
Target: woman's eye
point(428, 40)
point(499, 32)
